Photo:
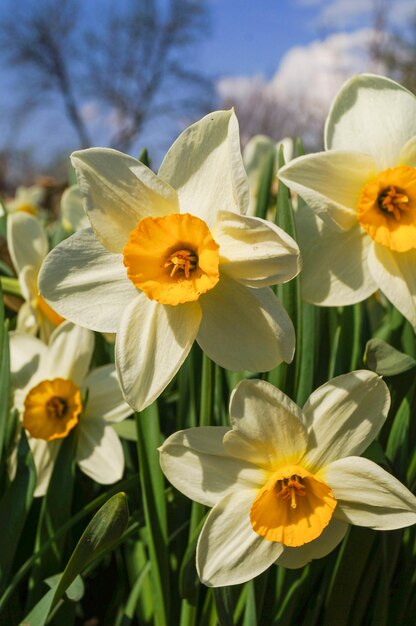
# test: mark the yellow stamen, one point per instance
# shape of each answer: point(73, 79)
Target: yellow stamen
point(172, 259)
point(387, 208)
point(184, 260)
point(293, 507)
point(393, 201)
point(52, 409)
point(289, 488)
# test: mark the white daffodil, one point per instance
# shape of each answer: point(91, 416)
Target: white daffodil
point(255, 155)
point(26, 200)
point(363, 192)
point(172, 258)
point(72, 210)
point(51, 383)
point(28, 246)
point(285, 482)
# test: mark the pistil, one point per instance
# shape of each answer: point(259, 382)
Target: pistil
point(392, 200)
point(184, 260)
point(290, 488)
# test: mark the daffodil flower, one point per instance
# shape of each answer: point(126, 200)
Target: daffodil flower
point(285, 483)
point(26, 200)
point(51, 383)
point(362, 190)
point(172, 258)
point(28, 246)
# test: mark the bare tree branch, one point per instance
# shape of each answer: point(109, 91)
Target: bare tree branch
point(132, 63)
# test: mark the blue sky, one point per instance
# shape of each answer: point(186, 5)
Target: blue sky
point(251, 36)
point(287, 43)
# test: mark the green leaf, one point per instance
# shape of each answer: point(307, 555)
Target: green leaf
point(144, 157)
point(75, 590)
point(15, 505)
point(284, 376)
point(154, 504)
point(225, 604)
point(4, 379)
point(386, 360)
point(264, 195)
point(10, 285)
point(55, 511)
point(126, 429)
point(105, 528)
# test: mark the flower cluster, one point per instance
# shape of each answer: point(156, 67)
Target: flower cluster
point(169, 259)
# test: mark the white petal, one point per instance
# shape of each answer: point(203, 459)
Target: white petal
point(196, 463)
point(268, 426)
point(85, 283)
point(44, 456)
point(368, 496)
point(27, 321)
point(344, 416)
point(72, 209)
point(69, 353)
point(332, 535)
point(374, 115)
point(335, 270)
point(105, 398)
point(408, 153)
point(99, 451)
point(205, 166)
point(394, 273)
point(119, 191)
point(330, 183)
point(27, 240)
point(229, 551)
point(28, 282)
point(254, 251)
point(26, 353)
point(244, 328)
point(152, 343)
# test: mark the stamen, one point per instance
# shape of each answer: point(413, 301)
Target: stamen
point(56, 407)
point(184, 260)
point(290, 488)
point(392, 200)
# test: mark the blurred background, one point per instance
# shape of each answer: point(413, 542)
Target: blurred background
point(133, 73)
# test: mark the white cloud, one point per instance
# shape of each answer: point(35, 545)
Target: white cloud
point(297, 99)
point(315, 72)
point(343, 14)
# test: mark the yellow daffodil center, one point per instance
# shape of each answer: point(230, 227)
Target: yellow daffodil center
point(28, 208)
point(293, 507)
point(172, 259)
point(52, 409)
point(43, 307)
point(387, 208)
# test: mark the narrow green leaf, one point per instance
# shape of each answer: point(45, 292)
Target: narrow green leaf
point(284, 376)
point(264, 191)
point(144, 157)
point(343, 588)
point(105, 528)
point(225, 602)
point(4, 381)
point(75, 590)
point(55, 511)
point(10, 285)
point(154, 504)
point(15, 505)
point(398, 444)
